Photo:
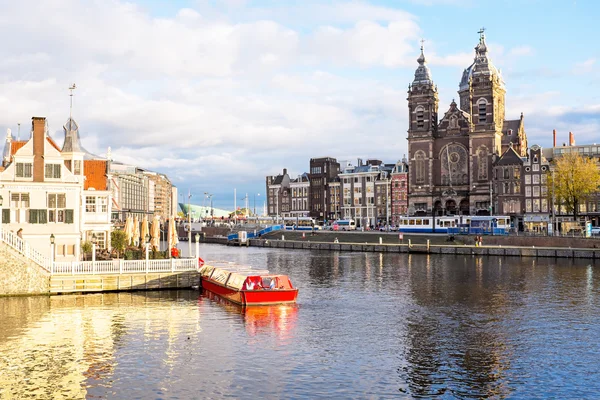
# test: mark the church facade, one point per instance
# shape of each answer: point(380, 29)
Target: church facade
point(452, 158)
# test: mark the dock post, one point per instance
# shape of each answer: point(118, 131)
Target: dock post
point(428, 245)
point(409, 244)
point(380, 240)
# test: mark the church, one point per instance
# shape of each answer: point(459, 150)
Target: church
point(452, 158)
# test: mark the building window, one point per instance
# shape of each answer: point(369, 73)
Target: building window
point(536, 179)
point(420, 118)
point(506, 173)
point(517, 172)
point(483, 165)
point(544, 205)
point(77, 167)
point(53, 171)
point(527, 179)
point(528, 205)
point(517, 187)
point(24, 170)
point(527, 191)
point(482, 108)
point(536, 167)
point(536, 191)
point(536, 205)
point(90, 204)
point(506, 188)
point(56, 207)
point(420, 167)
point(19, 207)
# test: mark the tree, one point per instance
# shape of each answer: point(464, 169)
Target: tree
point(118, 240)
point(573, 179)
point(86, 247)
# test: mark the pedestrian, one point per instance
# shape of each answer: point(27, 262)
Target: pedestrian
point(20, 233)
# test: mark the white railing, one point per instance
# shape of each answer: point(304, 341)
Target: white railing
point(121, 266)
point(24, 248)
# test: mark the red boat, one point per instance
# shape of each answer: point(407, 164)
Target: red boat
point(246, 286)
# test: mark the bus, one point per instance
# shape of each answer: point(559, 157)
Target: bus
point(300, 224)
point(344, 225)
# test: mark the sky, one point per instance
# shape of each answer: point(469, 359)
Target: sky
point(220, 94)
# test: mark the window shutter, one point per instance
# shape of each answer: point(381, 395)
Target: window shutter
point(69, 216)
point(33, 216)
point(42, 216)
point(6, 216)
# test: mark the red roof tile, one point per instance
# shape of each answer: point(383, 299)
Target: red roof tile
point(95, 175)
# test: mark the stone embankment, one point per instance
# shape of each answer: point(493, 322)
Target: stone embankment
point(516, 246)
point(20, 276)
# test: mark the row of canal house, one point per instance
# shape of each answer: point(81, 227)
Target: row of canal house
point(370, 192)
point(70, 193)
point(373, 192)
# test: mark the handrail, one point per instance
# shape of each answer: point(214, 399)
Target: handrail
point(24, 248)
point(120, 266)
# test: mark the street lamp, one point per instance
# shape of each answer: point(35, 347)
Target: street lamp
point(52, 249)
point(94, 241)
point(197, 245)
point(147, 243)
point(257, 194)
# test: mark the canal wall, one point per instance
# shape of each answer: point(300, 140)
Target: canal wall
point(506, 251)
point(123, 282)
point(21, 276)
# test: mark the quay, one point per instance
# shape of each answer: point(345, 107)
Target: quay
point(26, 272)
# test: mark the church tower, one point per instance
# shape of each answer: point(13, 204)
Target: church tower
point(422, 116)
point(482, 94)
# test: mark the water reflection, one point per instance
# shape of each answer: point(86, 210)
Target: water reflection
point(366, 326)
point(278, 320)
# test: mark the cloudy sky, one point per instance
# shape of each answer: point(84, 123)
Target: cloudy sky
point(219, 94)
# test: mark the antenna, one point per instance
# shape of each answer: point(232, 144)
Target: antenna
point(71, 88)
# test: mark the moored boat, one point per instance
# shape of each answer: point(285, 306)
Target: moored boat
point(247, 286)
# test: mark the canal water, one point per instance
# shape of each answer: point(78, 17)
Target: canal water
point(366, 325)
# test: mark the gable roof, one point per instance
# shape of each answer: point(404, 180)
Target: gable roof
point(510, 157)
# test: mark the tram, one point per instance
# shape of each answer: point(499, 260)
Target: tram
point(456, 224)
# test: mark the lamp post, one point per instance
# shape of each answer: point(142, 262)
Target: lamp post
point(197, 245)
point(52, 249)
point(147, 244)
point(94, 241)
point(257, 194)
point(1, 213)
point(189, 223)
point(491, 201)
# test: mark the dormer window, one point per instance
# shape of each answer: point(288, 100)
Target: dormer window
point(24, 170)
point(77, 167)
point(482, 109)
point(52, 171)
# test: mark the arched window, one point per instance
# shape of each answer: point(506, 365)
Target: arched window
point(420, 166)
point(482, 110)
point(482, 172)
point(420, 117)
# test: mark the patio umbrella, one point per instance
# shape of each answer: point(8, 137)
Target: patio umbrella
point(128, 230)
point(136, 231)
point(155, 233)
point(145, 229)
point(173, 236)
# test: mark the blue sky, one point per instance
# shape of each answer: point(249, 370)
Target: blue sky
point(219, 94)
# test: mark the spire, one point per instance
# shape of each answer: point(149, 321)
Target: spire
point(482, 65)
point(422, 74)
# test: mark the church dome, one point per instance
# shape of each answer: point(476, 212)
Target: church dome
point(482, 66)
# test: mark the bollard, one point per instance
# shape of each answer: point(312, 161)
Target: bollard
point(428, 245)
point(282, 237)
point(380, 240)
point(409, 244)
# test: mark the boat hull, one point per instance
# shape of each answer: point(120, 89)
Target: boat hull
point(252, 297)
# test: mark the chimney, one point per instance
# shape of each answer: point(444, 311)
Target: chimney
point(285, 171)
point(554, 136)
point(571, 139)
point(39, 139)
